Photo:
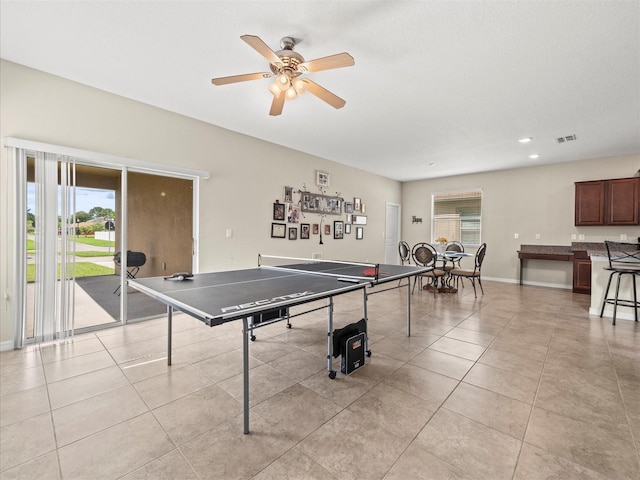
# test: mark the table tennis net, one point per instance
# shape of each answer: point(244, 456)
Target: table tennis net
point(336, 268)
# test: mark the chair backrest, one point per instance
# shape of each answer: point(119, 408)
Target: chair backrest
point(134, 259)
point(623, 254)
point(480, 255)
point(424, 254)
point(454, 247)
point(405, 251)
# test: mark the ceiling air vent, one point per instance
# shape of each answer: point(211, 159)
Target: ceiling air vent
point(569, 138)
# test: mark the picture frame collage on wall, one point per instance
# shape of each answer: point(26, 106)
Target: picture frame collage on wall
point(287, 213)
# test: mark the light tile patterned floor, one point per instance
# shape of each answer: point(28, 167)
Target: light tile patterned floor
point(519, 384)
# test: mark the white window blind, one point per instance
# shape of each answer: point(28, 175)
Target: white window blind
point(457, 216)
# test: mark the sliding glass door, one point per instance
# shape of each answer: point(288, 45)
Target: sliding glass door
point(80, 216)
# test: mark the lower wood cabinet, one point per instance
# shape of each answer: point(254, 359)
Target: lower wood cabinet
point(581, 273)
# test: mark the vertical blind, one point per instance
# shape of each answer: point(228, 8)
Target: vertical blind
point(51, 305)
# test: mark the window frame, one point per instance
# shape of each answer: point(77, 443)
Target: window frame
point(435, 234)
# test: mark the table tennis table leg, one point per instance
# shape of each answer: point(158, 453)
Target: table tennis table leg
point(409, 308)
point(332, 373)
point(169, 321)
point(366, 321)
point(245, 371)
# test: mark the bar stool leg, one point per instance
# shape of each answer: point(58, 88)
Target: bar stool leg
point(606, 295)
point(615, 301)
point(635, 296)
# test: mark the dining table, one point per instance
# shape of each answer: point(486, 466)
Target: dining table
point(451, 257)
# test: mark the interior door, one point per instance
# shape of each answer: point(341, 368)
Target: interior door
point(392, 234)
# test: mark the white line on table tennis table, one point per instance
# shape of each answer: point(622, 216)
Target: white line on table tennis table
point(341, 276)
point(291, 272)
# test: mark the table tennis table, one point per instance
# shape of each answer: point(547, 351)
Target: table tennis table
point(263, 295)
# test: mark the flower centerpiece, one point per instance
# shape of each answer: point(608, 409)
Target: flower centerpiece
point(442, 243)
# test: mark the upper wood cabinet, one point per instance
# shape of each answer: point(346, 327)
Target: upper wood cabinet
point(608, 202)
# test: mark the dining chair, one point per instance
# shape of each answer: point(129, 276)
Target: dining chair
point(453, 246)
point(405, 252)
point(405, 256)
point(472, 275)
point(425, 255)
point(624, 259)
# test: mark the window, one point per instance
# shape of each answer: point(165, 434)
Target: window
point(457, 216)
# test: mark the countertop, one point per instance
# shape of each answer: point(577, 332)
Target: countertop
point(592, 248)
point(546, 249)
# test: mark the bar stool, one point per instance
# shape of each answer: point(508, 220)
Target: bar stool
point(624, 259)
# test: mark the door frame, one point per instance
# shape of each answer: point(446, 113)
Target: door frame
point(19, 149)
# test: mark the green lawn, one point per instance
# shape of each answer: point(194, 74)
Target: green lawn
point(31, 245)
point(94, 242)
point(94, 254)
point(83, 269)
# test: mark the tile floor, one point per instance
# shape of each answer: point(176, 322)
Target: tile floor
point(519, 384)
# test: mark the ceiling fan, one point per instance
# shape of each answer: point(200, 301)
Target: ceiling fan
point(288, 67)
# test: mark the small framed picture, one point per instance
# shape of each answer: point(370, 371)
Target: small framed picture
point(316, 229)
point(348, 207)
point(347, 228)
point(359, 233)
point(327, 229)
point(349, 218)
point(278, 211)
point(356, 204)
point(338, 229)
point(293, 213)
point(322, 178)
point(359, 220)
point(293, 233)
point(363, 208)
point(304, 231)
point(288, 194)
point(278, 230)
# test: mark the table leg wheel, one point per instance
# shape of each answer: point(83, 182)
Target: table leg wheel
point(253, 338)
point(368, 353)
point(332, 374)
point(288, 325)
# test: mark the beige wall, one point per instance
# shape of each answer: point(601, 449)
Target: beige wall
point(247, 174)
point(527, 201)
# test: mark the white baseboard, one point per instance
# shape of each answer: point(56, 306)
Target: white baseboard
point(533, 284)
point(608, 313)
point(5, 346)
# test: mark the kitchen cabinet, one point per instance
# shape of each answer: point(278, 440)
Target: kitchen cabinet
point(607, 202)
point(581, 272)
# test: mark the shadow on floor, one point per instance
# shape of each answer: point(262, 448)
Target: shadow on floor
point(101, 289)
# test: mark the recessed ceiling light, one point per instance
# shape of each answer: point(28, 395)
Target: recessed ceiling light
point(525, 139)
point(533, 156)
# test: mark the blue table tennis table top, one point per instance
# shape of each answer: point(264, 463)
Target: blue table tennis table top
point(219, 297)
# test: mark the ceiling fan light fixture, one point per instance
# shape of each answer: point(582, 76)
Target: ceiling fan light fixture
point(275, 89)
point(300, 86)
point(283, 81)
point(291, 93)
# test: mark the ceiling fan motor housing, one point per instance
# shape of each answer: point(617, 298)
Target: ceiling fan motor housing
point(290, 59)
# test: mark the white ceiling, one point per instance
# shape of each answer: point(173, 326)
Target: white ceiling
point(449, 83)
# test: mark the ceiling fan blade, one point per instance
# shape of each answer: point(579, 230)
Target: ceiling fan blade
point(277, 104)
point(240, 78)
point(262, 48)
point(338, 60)
point(324, 94)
